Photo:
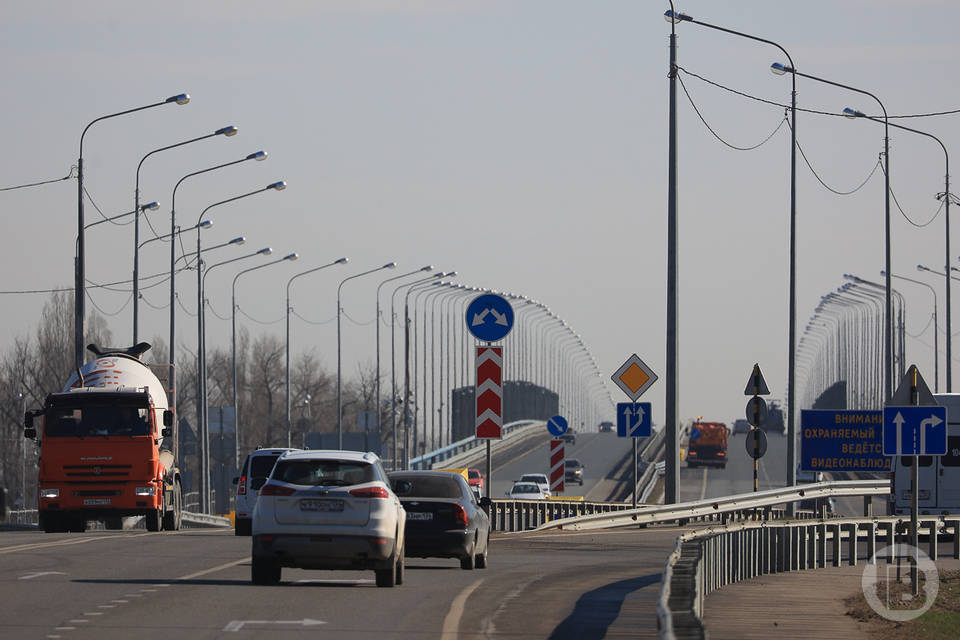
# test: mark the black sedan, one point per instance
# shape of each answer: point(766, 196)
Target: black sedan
point(444, 519)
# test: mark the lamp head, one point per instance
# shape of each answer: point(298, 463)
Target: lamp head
point(206, 224)
point(258, 156)
point(226, 131)
point(181, 98)
point(342, 261)
point(852, 113)
point(673, 17)
point(150, 206)
point(389, 265)
point(450, 274)
point(779, 68)
point(291, 257)
point(239, 240)
point(883, 272)
point(920, 267)
point(429, 267)
point(280, 185)
point(265, 251)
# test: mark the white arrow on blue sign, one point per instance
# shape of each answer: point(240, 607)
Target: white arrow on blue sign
point(914, 431)
point(633, 419)
point(557, 426)
point(489, 317)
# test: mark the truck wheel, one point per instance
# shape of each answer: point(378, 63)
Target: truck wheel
point(76, 523)
point(52, 522)
point(262, 571)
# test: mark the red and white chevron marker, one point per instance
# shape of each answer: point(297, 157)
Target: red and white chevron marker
point(489, 392)
point(556, 466)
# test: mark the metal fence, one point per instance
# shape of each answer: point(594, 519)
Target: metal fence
point(707, 560)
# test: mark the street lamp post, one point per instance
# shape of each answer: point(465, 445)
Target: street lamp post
point(853, 113)
point(379, 411)
point(227, 131)
point(204, 435)
point(80, 267)
point(389, 265)
point(172, 403)
point(792, 311)
point(936, 349)
point(780, 69)
point(233, 335)
point(202, 417)
point(289, 308)
point(393, 363)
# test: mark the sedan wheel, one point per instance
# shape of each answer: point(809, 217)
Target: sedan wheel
point(469, 561)
point(481, 558)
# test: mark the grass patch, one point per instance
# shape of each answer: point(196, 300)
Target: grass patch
point(940, 622)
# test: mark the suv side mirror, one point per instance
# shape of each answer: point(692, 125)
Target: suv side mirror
point(167, 418)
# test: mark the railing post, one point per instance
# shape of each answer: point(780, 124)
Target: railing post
point(822, 549)
point(867, 506)
point(835, 529)
point(955, 526)
point(871, 541)
point(852, 545)
point(932, 538)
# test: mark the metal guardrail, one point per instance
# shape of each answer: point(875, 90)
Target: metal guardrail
point(28, 519)
point(205, 520)
point(728, 506)
point(460, 453)
point(525, 515)
point(706, 560)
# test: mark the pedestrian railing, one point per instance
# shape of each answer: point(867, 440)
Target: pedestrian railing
point(708, 559)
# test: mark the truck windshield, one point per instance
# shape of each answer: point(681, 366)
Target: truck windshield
point(66, 422)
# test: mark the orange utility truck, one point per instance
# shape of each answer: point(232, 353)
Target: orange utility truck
point(107, 447)
point(708, 444)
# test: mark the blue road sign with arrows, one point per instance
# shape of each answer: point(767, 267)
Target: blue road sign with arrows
point(914, 431)
point(489, 317)
point(633, 419)
point(557, 425)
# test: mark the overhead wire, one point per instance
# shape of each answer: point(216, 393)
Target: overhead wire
point(43, 182)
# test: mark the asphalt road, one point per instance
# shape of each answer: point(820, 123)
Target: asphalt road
point(196, 584)
point(711, 482)
point(598, 452)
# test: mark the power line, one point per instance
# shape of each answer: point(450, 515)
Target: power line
point(37, 184)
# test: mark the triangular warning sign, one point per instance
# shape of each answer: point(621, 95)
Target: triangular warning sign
point(756, 385)
point(903, 396)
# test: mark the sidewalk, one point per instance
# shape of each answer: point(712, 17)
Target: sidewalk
point(800, 604)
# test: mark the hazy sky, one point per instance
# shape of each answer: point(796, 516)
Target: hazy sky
point(521, 143)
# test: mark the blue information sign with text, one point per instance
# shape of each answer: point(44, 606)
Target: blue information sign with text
point(842, 441)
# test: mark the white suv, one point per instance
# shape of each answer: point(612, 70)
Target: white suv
point(539, 479)
point(328, 510)
point(256, 469)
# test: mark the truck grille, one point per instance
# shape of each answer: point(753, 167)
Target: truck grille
point(97, 470)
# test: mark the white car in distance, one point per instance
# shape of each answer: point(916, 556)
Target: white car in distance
point(526, 491)
point(328, 510)
point(539, 479)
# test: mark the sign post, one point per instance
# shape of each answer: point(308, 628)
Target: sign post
point(756, 415)
point(925, 426)
point(489, 318)
point(634, 377)
point(556, 466)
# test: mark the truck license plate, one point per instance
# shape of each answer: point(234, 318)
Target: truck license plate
point(95, 501)
point(328, 506)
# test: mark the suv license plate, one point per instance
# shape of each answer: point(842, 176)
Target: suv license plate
point(96, 501)
point(328, 506)
point(419, 515)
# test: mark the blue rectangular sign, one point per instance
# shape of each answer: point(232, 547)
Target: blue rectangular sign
point(633, 419)
point(842, 441)
point(914, 431)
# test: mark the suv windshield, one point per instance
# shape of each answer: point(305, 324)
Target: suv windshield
point(324, 472)
point(525, 488)
point(93, 420)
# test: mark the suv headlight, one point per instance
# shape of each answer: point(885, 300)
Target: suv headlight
point(49, 493)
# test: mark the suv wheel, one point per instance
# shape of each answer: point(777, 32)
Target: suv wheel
point(387, 577)
point(262, 571)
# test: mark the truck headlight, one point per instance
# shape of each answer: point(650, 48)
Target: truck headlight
point(145, 491)
point(49, 493)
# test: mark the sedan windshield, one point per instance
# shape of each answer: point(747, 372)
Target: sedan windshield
point(323, 472)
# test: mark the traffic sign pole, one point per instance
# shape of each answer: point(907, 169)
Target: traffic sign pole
point(635, 479)
point(914, 493)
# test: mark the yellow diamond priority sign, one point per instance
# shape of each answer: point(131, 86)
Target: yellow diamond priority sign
point(634, 377)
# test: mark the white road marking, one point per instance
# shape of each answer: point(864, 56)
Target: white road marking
point(106, 606)
point(119, 601)
point(362, 581)
point(703, 485)
point(78, 621)
point(237, 625)
point(221, 567)
point(64, 628)
point(451, 623)
point(93, 613)
point(61, 543)
point(37, 574)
